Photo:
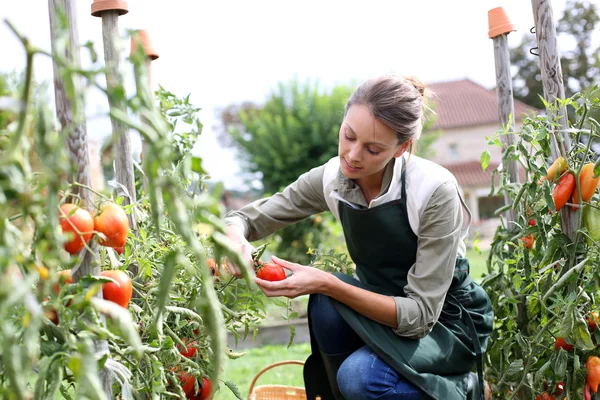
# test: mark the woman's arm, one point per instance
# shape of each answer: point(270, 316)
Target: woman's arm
point(309, 280)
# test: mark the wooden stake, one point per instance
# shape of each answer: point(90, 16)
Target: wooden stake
point(506, 110)
point(123, 157)
point(71, 115)
point(552, 78)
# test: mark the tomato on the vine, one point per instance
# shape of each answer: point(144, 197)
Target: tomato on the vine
point(187, 381)
point(528, 241)
point(212, 265)
point(556, 169)
point(593, 372)
point(592, 320)
point(559, 389)
point(532, 222)
point(204, 391)
point(190, 349)
point(77, 223)
point(63, 277)
point(545, 396)
point(587, 183)
point(112, 222)
point(563, 190)
point(271, 272)
point(119, 292)
point(561, 343)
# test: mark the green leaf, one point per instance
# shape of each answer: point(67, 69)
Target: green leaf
point(560, 366)
point(485, 159)
point(197, 165)
point(234, 389)
point(164, 286)
point(583, 340)
point(514, 368)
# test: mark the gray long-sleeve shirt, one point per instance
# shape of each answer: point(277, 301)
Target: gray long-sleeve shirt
point(435, 216)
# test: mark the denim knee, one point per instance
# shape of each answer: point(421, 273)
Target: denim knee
point(365, 376)
point(332, 333)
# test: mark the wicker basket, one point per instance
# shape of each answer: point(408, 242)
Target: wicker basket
point(276, 392)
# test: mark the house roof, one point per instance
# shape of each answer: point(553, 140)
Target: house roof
point(470, 173)
point(464, 103)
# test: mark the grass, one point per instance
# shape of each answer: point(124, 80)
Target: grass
point(243, 370)
point(477, 262)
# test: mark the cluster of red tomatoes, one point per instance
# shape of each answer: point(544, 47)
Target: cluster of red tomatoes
point(79, 226)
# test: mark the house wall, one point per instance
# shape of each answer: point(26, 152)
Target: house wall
point(465, 144)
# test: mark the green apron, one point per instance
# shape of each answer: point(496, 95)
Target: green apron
point(384, 247)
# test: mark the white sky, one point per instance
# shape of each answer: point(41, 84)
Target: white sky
point(225, 52)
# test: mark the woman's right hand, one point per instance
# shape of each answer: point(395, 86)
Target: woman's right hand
point(236, 235)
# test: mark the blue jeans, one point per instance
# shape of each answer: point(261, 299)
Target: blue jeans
point(363, 375)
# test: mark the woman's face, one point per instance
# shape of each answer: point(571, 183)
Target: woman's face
point(366, 145)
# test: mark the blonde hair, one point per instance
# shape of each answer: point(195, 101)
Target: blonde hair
point(395, 101)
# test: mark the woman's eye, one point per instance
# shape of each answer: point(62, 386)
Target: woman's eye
point(373, 152)
point(349, 138)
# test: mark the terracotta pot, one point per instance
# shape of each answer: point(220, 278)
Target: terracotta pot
point(144, 38)
point(98, 6)
point(499, 23)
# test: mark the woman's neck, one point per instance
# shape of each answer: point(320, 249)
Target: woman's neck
point(371, 185)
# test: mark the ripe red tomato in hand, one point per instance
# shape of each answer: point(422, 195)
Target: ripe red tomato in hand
point(562, 344)
point(271, 272)
point(112, 222)
point(73, 219)
point(119, 292)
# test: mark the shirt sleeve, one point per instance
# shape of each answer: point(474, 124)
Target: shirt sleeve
point(297, 201)
point(430, 277)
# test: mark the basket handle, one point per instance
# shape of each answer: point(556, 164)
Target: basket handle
point(268, 367)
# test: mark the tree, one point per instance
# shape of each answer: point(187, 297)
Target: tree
point(580, 64)
point(294, 131)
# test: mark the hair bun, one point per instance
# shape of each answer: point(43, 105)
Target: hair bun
point(418, 84)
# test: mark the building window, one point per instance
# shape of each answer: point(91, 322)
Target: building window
point(453, 150)
point(489, 205)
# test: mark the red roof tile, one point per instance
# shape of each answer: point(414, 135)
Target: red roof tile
point(470, 173)
point(464, 103)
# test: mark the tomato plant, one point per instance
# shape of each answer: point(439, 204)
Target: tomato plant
point(112, 222)
point(78, 224)
point(528, 241)
point(62, 339)
point(544, 296)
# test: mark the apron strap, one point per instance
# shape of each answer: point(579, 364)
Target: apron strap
point(466, 317)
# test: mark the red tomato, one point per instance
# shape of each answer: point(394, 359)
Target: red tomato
point(206, 388)
point(119, 250)
point(212, 265)
point(271, 272)
point(113, 223)
point(64, 277)
point(592, 320)
point(190, 349)
point(119, 292)
point(188, 382)
point(562, 344)
point(73, 219)
point(528, 240)
point(204, 391)
point(532, 222)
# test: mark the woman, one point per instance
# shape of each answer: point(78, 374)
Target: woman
point(414, 324)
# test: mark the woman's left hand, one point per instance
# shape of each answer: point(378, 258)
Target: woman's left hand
point(304, 280)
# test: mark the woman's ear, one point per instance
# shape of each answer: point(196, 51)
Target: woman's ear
point(402, 149)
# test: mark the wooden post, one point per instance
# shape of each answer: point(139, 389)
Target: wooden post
point(500, 27)
point(142, 38)
point(545, 32)
point(71, 115)
point(110, 12)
